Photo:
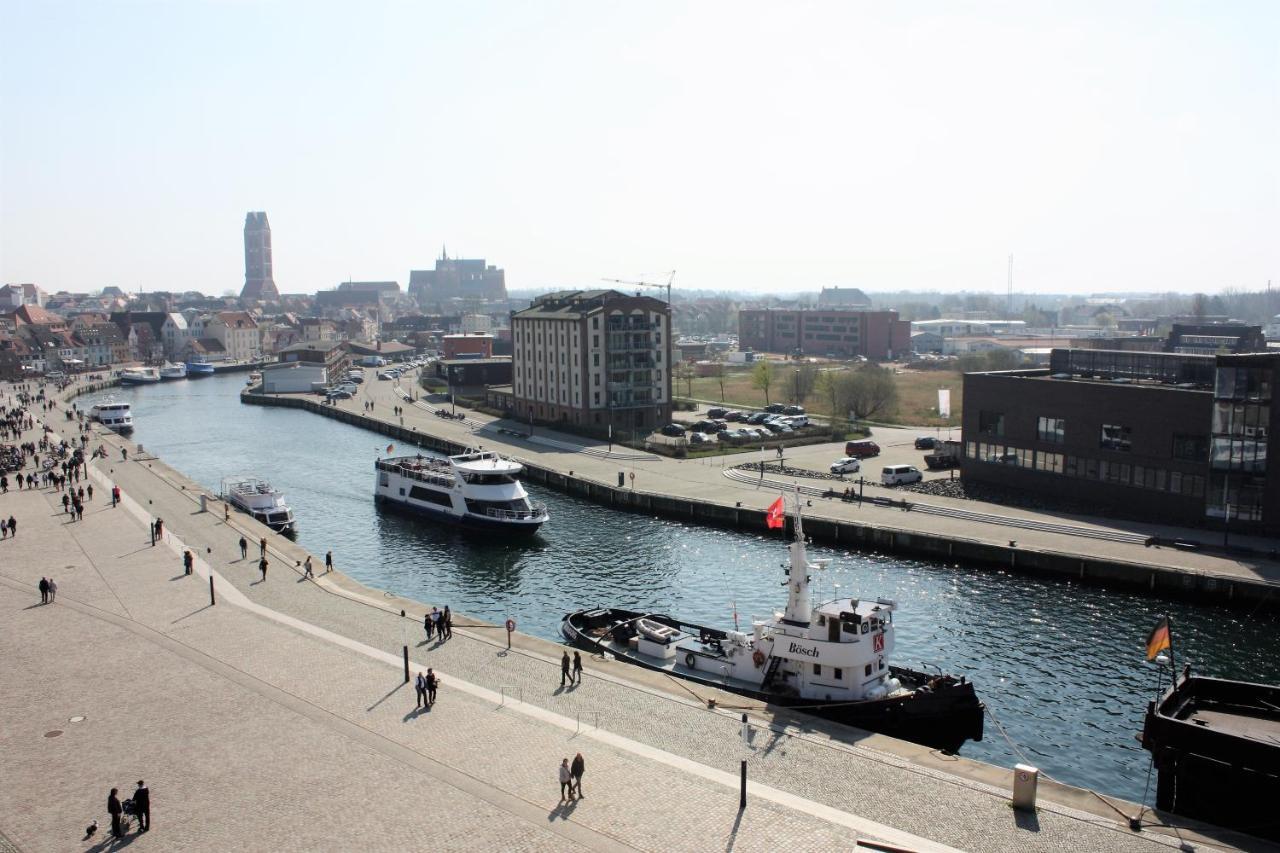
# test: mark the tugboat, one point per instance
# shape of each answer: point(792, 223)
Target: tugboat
point(830, 660)
point(258, 499)
point(113, 415)
point(477, 489)
point(1216, 747)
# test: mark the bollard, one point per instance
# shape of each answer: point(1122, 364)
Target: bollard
point(204, 503)
point(212, 600)
point(1025, 778)
point(742, 799)
point(406, 664)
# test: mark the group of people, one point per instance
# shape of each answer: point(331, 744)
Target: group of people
point(574, 675)
point(48, 590)
point(571, 779)
point(8, 528)
point(425, 686)
point(139, 806)
point(438, 623)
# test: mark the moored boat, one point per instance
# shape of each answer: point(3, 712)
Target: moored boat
point(1216, 748)
point(831, 660)
point(113, 415)
point(139, 376)
point(257, 498)
point(196, 369)
point(169, 371)
point(478, 489)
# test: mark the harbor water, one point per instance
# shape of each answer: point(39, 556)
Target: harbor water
point(1060, 666)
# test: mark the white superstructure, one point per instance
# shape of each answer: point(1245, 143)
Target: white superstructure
point(139, 376)
point(169, 370)
point(475, 489)
point(257, 498)
point(113, 415)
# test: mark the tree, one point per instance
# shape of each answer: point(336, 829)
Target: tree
point(870, 390)
point(685, 373)
point(828, 385)
point(1003, 359)
point(802, 382)
point(717, 372)
point(762, 378)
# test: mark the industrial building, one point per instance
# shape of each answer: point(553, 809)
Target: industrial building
point(837, 333)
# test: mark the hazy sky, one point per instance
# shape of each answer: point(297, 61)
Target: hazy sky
point(1116, 145)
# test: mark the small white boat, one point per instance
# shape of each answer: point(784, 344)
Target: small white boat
point(169, 370)
point(113, 415)
point(139, 376)
point(477, 490)
point(256, 497)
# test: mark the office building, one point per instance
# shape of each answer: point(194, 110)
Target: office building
point(837, 333)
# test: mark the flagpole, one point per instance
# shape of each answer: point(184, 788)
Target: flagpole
point(1173, 661)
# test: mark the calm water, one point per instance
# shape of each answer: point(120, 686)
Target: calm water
point(1059, 665)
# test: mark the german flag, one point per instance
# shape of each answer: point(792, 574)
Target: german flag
point(1159, 640)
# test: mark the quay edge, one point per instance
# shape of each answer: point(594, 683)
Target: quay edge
point(1170, 582)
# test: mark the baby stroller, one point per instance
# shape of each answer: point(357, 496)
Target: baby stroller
point(128, 813)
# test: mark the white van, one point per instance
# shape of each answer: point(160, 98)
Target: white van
point(897, 475)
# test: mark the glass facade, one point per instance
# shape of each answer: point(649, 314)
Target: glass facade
point(1238, 444)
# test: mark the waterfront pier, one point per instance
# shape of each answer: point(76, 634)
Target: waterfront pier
point(279, 717)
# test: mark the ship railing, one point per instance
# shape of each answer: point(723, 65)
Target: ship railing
point(537, 511)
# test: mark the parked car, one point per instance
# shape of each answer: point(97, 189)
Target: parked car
point(720, 425)
point(775, 408)
point(897, 475)
point(846, 465)
point(861, 449)
point(775, 426)
point(926, 442)
point(793, 410)
point(798, 421)
point(673, 430)
point(717, 412)
point(733, 436)
point(698, 438)
point(704, 426)
point(339, 394)
point(757, 418)
point(733, 415)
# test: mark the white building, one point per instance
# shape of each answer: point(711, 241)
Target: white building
point(293, 377)
point(174, 333)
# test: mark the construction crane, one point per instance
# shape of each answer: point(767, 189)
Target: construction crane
point(667, 287)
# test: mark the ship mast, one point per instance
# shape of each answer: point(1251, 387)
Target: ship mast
point(799, 602)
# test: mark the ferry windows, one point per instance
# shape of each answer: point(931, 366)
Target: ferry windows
point(817, 669)
point(868, 670)
point(839, 674)
point(882, 663)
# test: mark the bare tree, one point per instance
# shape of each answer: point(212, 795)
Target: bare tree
point(685, 373)
point(870, 390)
point(762, 378)
point(717, 371)
point(802, 382)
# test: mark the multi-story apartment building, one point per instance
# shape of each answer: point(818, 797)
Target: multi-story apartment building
point(175, 333)
point(877, 335)
point(238, 334)
point(593, 358)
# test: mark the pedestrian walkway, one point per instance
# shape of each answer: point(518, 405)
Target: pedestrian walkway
point(665, 765)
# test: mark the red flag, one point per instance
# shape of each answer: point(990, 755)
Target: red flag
point(390, 447)
point(777, 516)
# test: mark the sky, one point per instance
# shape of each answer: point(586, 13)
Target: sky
point(763, 147)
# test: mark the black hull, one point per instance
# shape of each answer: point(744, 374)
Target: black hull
point(942, 716)
point(1215, 747)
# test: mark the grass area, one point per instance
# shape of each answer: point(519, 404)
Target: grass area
point(917, 395)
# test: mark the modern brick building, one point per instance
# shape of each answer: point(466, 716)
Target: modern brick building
point(464, 346)
point(593, 358)
point(877, 335)
point(1173, 437)
point(259, 285)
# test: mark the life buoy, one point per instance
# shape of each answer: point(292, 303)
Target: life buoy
point(688, 660)
point(757, 657)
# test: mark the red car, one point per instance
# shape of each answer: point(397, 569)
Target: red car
point(861, 449)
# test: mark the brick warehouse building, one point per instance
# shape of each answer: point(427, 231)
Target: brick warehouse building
point(1169, 437)
point(877, 335)
point(593, 358)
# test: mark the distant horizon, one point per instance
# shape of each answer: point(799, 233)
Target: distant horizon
point(750, 147)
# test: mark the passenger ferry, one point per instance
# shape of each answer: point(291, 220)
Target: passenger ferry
point(831, 660)
point(258, 499)
point(115, 416)
point(139, 376)
point(477, 489)
point(169, 371)
point(198, 367)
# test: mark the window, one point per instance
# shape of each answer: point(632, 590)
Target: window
point(597, 395)
point(595, 324)
point(868, 669)
point(991, 423)
point(1052, 430)
point(839, 674)
point(1116, 437)
point(595, 340)
point(595, 359)
point(1193, 448)
point(1049, 462)
point(817, 669)
point(1114, 472)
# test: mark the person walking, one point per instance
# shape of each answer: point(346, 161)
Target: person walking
point(262, 567)
point(307, 568)
point(142, 805)
point(226, 512)
point(446, 620)
point(160, 529)
point(577, 668)
point(44, 590)
point(114, 809)
point(188, 562)
point(53, 590)
point(89, 491)
point(328, 562)
point(262, 547)
point(564, 671)
point(427, 626)
point(115, 496)
point(436, 627)
point(420, 688)
point(432, 684)
point(244, 548)
point(66, 502)
point(577, 769)
point(566, 781)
